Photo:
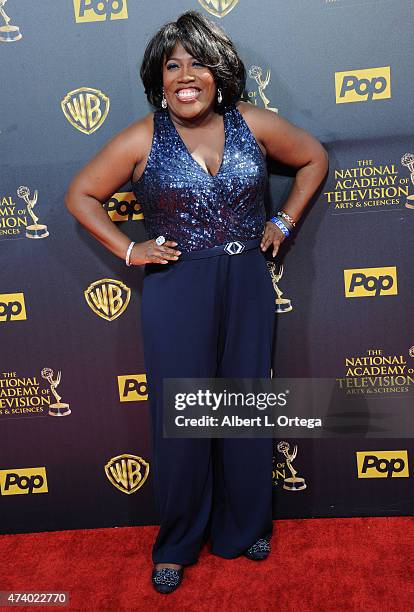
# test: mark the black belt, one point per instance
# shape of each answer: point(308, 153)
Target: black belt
point(229, 248)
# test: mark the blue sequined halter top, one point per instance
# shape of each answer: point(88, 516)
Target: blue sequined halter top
point(183, 202)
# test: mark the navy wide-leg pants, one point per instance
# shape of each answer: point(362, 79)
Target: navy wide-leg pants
point(205, 318)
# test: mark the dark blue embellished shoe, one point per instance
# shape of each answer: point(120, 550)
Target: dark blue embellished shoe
point(167, 579)
point(259, 550)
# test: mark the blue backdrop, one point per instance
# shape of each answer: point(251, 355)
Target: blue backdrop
point(70, 341)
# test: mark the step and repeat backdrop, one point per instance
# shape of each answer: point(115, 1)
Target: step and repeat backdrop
point(74, 416)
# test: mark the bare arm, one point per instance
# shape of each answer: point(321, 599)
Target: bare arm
point(295, 147)
point(99, 179)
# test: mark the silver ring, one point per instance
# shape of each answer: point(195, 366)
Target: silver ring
point(160, 240)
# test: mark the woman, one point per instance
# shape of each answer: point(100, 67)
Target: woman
point(197, 165)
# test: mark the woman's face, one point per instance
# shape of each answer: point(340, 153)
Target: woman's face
point(189, 86)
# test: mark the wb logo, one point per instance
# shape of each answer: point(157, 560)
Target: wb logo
point(218, 8)
point(363, 85)
point(85, 108)
point(23, 481)
point(99, 10)
point(382, 464)
point(12, 307)
point(371, 282)
point(108, 298)
point(132, 388)
point(127, 472)
point(123, 206)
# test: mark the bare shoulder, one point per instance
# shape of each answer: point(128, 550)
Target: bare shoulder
point(247, 109)
point(136, 137)
point(269, 128)
point(283, 140)
point(259, 121)
point(142, 127)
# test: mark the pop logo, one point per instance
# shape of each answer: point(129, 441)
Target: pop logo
point(99, 10)
point(12, 307)
point(123, 206)
point(382, 464)
point(23, 481)
point(370, 282)
point(132, 388)
point(363, 85)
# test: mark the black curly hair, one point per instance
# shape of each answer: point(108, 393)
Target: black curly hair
point(207, 43)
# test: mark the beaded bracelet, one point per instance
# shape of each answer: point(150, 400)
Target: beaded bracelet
point(284, 215)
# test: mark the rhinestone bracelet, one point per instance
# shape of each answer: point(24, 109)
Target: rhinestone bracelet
point(283, 214)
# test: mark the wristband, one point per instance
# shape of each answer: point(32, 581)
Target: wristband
point(280, 225)
point(285, 223)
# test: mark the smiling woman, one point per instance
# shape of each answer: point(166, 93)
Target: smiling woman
point(202, 45)
point(189, 82)
point(198, 167)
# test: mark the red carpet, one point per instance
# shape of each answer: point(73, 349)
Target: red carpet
point(316, 565)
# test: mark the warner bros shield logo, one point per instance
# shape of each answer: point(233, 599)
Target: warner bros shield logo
point(127, 472)
point(218, 8)
point(108, 298)
point(85, 108)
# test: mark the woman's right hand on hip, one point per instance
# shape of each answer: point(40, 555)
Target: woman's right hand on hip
point(150, 252)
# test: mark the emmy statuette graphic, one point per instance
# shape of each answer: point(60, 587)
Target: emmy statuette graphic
point(294, 483)
point(407, 160)
point(255, 73)
point(282, 304)
point(36, 230)
point(8, 33)
point(58, 408)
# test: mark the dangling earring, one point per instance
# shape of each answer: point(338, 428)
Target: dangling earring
point(164, 100)
point(219, 96)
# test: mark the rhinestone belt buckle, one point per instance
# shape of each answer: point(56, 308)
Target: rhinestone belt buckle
point(234, 248)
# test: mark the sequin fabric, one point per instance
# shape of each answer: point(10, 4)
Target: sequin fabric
point(167, 575)
point(260, 548)
point(183, 202)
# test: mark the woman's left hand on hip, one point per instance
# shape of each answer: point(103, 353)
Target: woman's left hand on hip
point(272, 235)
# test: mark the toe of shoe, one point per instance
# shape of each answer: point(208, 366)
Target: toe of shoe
point(164, 588)
point(256, 556)
point(164, 584)
point(259, 550)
